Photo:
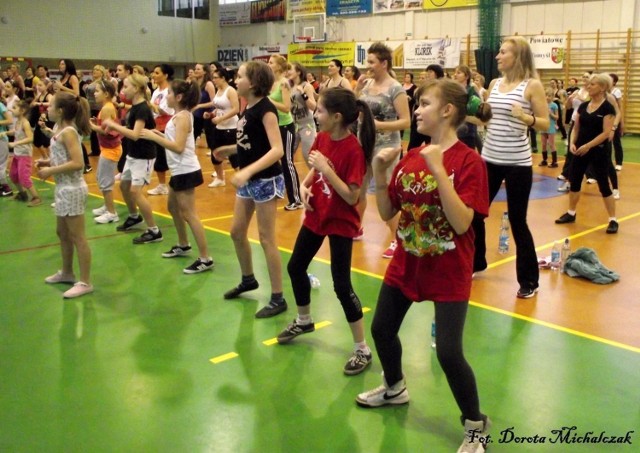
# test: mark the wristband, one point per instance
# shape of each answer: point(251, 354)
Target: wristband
point(534, 121)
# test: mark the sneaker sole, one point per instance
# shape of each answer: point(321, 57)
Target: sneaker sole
point(199, 271)
point(262, 313)
point(128, 228)
point(148, 242)
point(285, 340)
point(390, 402)
point(108, 222)
point(527, 296)
point(355, 372)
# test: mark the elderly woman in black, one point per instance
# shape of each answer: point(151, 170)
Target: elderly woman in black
point(589, 143)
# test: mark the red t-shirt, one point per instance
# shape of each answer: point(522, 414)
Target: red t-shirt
point(432, 262)
point(331, 214)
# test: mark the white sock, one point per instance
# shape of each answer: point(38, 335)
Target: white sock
point(362, 346)
point(155, 229)
point(570, 212)
point(614, 219)
point(304, 319)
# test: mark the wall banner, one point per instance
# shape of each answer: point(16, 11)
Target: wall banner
point(349, 7)
point(447, 4)
point(395, 6)
point(318, 55)
point(297, 7)
point(263, 53)
point(234, 14)
point(232, 57)
point(268, 11)
point(421, 53)
point(548, 51)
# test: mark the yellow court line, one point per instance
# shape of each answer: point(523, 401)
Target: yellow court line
point(557, 327)
point(223, 357)
point(365, 309)
point(319, 325)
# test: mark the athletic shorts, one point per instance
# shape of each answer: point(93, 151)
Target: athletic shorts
point(138, 171)
point(186, 181)
point(263, 190)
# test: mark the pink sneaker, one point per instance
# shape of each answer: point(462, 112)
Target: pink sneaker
point(360, 235)
point(388, 254)
point(59, 277)
point(79, 289)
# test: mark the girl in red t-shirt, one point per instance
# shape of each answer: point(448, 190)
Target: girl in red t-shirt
point(437, 190)
point(330, 193)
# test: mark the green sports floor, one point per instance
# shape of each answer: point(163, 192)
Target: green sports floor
point(157, 361)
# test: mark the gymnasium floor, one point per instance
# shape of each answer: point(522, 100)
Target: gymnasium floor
point(157, 361)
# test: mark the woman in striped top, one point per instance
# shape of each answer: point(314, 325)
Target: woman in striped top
point(517, 102)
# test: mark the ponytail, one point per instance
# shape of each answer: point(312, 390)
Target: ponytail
point(74, 108)
point(367, 132)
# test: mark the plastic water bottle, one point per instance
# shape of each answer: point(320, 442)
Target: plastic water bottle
point(564, 253)
point(433, 334)
point(315, 281)
point(555, 257)
point(503, 239)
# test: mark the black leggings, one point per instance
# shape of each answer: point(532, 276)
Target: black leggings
point(291, 180)
point(307, 245)
point(450, 317)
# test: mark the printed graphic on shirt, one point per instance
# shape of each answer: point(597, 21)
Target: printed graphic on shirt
point(242, 138)
point(423, 228)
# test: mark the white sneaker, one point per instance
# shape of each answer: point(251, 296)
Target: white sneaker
point(616, 194)
point(99, 211)
point(384, 395)
point(618, 167)
point(561, 177)
point(591, 181)
point(217, 183)
point(564, 187)
point(161, 189)
point(475, 436)
point(107, 217)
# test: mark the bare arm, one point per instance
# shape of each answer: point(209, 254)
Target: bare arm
point(72, 144)
point(28, 132)
point(235, 107)
point(183, 129)
point(285, 105)
point(381, 162)
point(535, 94)
point(401, 105)
point(348, 192)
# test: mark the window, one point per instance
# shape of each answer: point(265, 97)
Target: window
point(188, 9)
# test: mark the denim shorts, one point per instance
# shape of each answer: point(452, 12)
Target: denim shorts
point(263, 190)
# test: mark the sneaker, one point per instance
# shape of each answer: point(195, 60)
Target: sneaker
point(357, 363)
point(553, 165)
point(160, 189)
point(293, 330)
point(565, 187)
point(613, 227)
point(148, 237)
point(77, 290)
point(388, 254)
point(59, 277)
point(199, 266)
point(618, 167)
point(616, 194)
point(241, 288)
point(217, 183)
point(21, 196)
point(53, 205)
point(107, 217)
point(384, 395)
point(475, 436)
point(566, 218)
point(526, 293)
point(6, 191)
point(88, 169)
point(534, 150)
point(542, 164)
point(561, 177)
point(293, 206)
point(360, 235)
point(272, 308)
point(99, 211)
point(591, 181)
point(177, 250)
point(129, 223)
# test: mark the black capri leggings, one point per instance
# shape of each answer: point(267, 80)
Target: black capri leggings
point(307, 245)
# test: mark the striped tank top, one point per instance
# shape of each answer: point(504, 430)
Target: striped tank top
point(507, 140)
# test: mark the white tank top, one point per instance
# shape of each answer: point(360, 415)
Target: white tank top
point(507, 139)
point(223, 106)
point(186, 161)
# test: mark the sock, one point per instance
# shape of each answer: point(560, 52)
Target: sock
point(154, 229)
point(544, 156)
point(248, 279)
point(554, 156)
point(614, 219)
point(277, 298)
point(570, 212)
point(304, 319)
point(134, 216)
point(362, 346)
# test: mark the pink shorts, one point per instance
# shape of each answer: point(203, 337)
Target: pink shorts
point(20, 172)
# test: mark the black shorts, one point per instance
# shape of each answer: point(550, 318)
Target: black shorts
point(161, 159)
point(224, 137)
point(186, 181)
point(39, 139)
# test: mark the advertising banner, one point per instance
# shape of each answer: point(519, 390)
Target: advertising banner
point(349, 7)
point(234, 14)
point(446, 4)
point(268, 11)
point(318, 55)
point(421, 53)
point(548, 51)
point(397, 53)
point(394, 6)
point(297, 7)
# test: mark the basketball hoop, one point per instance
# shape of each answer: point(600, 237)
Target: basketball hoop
point(303, 38)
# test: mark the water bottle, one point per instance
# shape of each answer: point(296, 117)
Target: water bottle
point(564, 253)
point(315, 281)
point(555, 257)
point(503, 239)
point(433, 334)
